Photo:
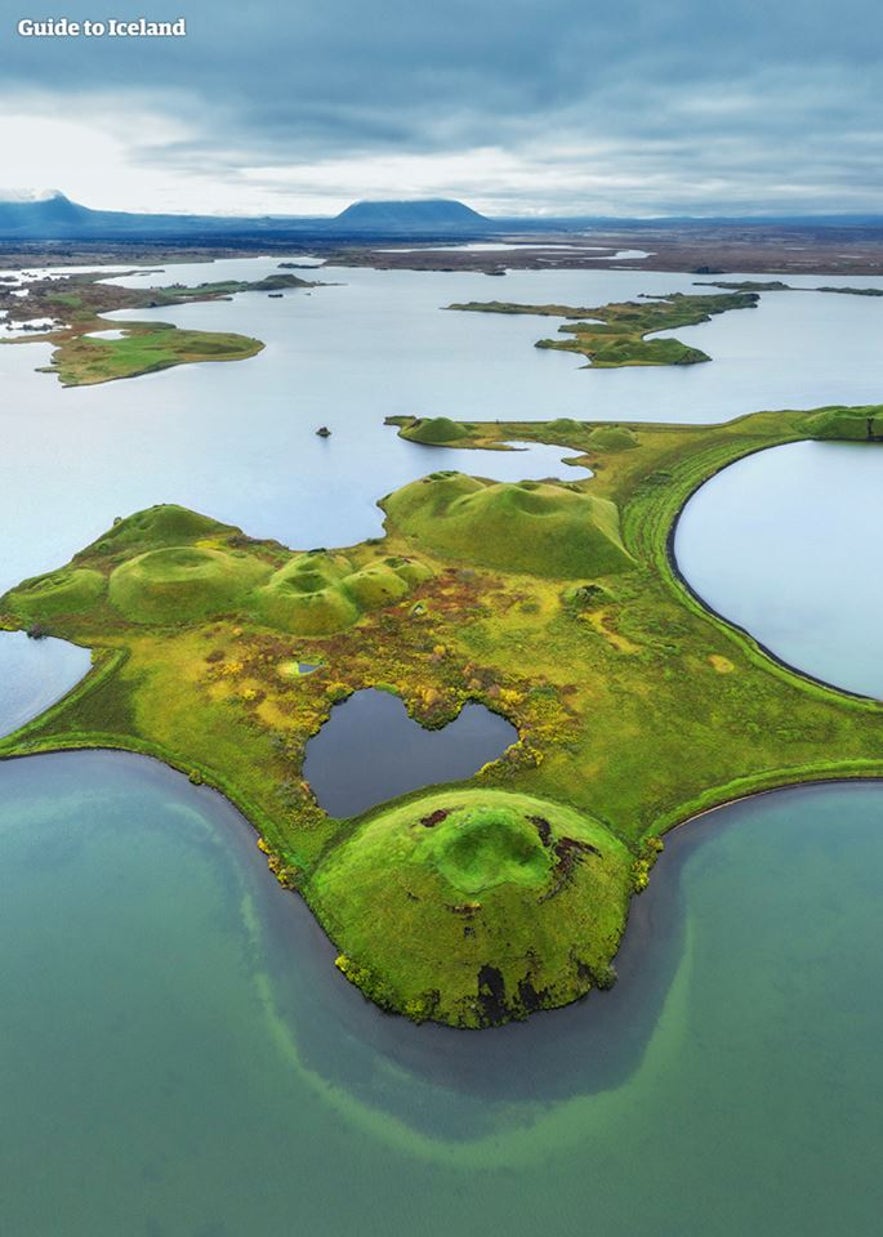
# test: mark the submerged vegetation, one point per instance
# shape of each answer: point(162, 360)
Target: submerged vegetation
point(554, 604)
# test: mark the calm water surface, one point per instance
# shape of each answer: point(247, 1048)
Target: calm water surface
point(34, 674)
point(785, 544)
point(371, 750)
point(238, 441)
point(179, 1055)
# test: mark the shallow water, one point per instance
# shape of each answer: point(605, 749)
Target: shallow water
point(179, 1055)
point(370, 750)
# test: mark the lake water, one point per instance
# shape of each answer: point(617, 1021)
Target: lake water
point(784, 544)
point(237, 440)
point(370, 750)
point(34, 674)
point(178, 1055)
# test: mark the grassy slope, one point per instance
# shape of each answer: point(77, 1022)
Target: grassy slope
point(482, 888)
point(634, 704)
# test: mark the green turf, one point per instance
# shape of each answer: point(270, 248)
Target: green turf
point(182, 583)
point(616, 334)
point(851, 424)
point(82, 361)
point(436, 430)
point(377, 585)
point(636, 708)
point(612, 438)
point(507, 903)
point(69, 591)
point(539, 528)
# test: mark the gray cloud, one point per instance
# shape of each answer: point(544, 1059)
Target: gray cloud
point(637, 107)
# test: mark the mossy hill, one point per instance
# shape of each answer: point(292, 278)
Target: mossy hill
point(515, 901)
point(437, 431)
point(540, 528)
point(615, 335)
point(555, 605)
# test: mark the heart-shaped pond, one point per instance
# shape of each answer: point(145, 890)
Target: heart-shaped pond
point(370, 750)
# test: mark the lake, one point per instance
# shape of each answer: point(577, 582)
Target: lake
point(783, 543)
point(178, 1054)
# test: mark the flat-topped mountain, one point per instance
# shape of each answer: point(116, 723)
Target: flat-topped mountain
point(427, 216)
point(52, 216)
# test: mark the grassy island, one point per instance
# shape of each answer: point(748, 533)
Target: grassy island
point(82, 359)
point(616, 334)
point(555, 604)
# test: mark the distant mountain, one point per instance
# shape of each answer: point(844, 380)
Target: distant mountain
point(430, 217)
point(50, 216)
point(37, 217)
point(47, 213)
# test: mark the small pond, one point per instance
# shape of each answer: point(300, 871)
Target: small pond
point(370, 750)
point(34, 674)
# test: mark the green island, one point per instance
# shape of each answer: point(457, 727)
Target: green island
point(615, 335)
point(81, 359)
point(555, 604)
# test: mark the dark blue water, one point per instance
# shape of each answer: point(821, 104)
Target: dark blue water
point(371, 750)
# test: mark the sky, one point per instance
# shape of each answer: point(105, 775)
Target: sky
point(517, 107)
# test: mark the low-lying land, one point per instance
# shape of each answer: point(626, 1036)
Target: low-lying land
point(635, 706)
point(614, 335)
point(76, 303)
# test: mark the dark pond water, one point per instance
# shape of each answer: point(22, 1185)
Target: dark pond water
point(371, 750)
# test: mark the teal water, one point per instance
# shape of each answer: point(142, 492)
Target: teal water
point(178, 1055)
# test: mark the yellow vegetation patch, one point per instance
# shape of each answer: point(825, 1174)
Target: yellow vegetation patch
point(722, 665)
point(273, 716)
point(598, 621)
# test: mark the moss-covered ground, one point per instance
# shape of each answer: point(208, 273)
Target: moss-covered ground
point(635, 706)
point(614, 335)
point(80, 300)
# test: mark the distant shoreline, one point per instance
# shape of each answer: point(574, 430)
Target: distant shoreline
point(713, 249)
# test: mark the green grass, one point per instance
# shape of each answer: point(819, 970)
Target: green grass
point(507, 903)
point(616, 334)
point(181, 583)
point(68, 591)
point(635, 707)
point(541, 528)
point(436, 430)
point(318, 593)
point(81, 361)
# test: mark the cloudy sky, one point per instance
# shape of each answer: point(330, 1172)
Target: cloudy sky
point(514, 106)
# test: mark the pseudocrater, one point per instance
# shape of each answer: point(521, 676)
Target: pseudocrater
point(472, 905)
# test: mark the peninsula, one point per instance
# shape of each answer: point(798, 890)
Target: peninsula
point(555, 604)
point(67, 311)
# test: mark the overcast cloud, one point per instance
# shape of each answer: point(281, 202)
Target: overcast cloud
point(684, 106)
